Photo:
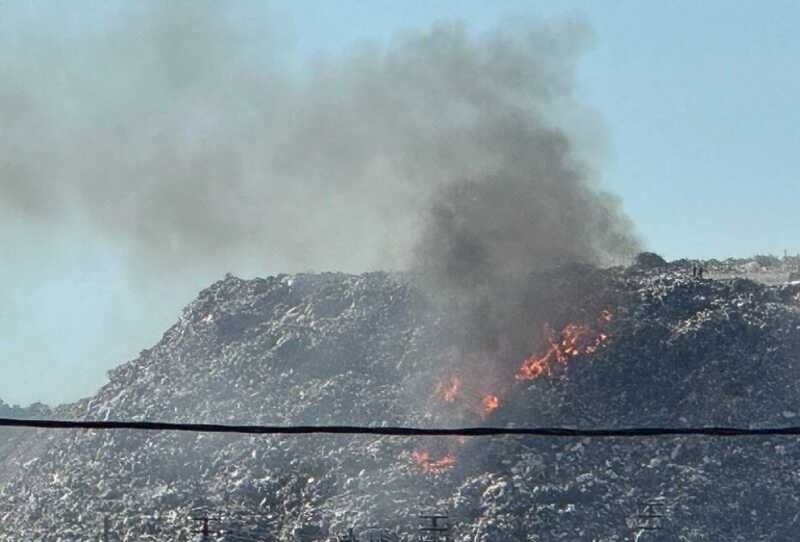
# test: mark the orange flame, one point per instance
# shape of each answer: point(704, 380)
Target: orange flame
point(534, 367)
point(423, 460)
point(490, 402)
point(574, 339)
point(446, 391)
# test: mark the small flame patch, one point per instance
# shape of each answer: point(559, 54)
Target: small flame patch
point(490, 402)
point(424, 460)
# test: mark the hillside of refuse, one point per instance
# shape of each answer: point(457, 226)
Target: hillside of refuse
point(644, 345)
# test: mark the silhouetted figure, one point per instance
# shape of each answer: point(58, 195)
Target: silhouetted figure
point(700, 272)
point(694, 271)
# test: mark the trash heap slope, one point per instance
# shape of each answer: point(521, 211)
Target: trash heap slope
point(368, 349)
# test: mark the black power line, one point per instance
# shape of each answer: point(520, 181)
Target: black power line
point(625, 432)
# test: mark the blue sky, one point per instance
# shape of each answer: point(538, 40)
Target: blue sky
point(697, 101)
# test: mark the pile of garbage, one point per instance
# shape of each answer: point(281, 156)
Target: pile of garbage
point(676, 351)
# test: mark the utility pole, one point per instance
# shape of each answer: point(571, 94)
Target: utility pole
point(204, 530)
point(650, 517)
point(436, 528)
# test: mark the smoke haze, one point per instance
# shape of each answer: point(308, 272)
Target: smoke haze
point(182, 139)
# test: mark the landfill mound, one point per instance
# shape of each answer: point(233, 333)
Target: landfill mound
point(16, 443)
point(648, 345)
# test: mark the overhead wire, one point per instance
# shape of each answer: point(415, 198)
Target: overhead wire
point(488, 431)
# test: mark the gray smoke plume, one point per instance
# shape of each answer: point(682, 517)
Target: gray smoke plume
point(173, 131)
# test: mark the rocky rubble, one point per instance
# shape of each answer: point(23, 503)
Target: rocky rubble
point(333, 348)
point(16, 444)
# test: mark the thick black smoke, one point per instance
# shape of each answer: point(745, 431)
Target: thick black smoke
point(175, 132)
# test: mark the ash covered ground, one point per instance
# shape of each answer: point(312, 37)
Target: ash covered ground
point(646, 345)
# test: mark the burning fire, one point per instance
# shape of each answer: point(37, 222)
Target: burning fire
point(574, 339)
point(490, 402)
point(447, 390)
point(423, 460)
point(453, 388)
